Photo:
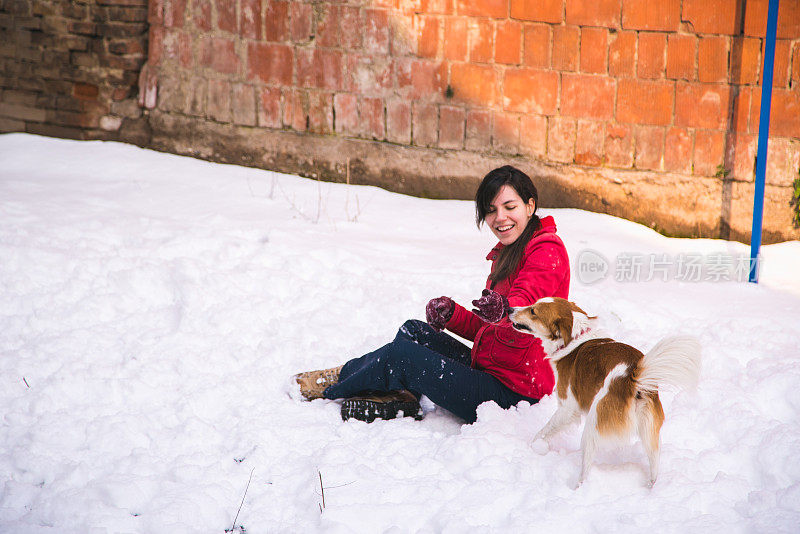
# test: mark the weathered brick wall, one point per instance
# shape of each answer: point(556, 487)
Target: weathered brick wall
point(70, 68)
point(646, 110)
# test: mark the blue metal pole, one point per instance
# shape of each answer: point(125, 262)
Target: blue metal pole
point(763, 138)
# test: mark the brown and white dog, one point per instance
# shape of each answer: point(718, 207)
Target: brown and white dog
point(613, 384)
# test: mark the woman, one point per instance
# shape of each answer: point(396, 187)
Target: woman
point(504, 366)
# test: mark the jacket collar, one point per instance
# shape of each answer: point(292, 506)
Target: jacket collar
point(548, 225)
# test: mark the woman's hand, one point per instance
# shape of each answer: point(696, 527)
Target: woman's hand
point(439, 311)
point(491, 307)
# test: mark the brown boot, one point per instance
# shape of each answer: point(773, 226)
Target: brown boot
point(313, 383)
point(384, 405)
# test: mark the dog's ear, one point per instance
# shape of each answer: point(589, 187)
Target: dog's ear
point(575, 307)
point(564, 326)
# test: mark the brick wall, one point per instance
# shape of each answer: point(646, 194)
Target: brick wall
point(70, 68)
point(646, 110)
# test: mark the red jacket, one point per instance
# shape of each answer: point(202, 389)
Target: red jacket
point(514, 358)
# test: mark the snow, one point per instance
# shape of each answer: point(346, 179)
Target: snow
point(154, 307)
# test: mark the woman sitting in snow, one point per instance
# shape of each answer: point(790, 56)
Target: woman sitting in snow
point(503, 366)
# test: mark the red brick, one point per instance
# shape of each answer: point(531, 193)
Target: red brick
point(175, 14)
point(440, 7)
point(745, 60)
point(619, 146)
point(678, 148)
point(561, 139)
point(594, 50)
point(740, 157)
point(372, 118)
point(295, 104)
point(376, 31)
point(784, 117)
point(566, 48)
point(681, 56)
point(481, 40)
point(711, 16)
point(590, 97)
point(243, 102)
point(226, 15)
point(483, 8)
point(702, 105)
point(622, 55)
point(155, 12)
point(505, 132)
point(269, 110)
point(649, 147)
point(780, 74)
point(420, 79)
point(508, 42)
point(155, 48)
point(398, 122)
point(538, 10)
point(277, 17)
point(320, 68)
point(428, 36)
point(122, 47)
point(709, 152)
point(664, 15)
point(345, 107)
point(219, 100)
point(533, 135)
point(783, 160)
point(219, 54)
point(300, 21)
point(271, 63)
point(339, 26)
point(652, 55)
point(370, 75)
point(795, 82)
point(178, 47)
point(83, 91)
point(644, 102)
point(479, 130)
point(536, 51)
point(603, 13)
point(530, 91)
point(451, 127)
point(320, 112)
point(475, 84)
point(712, 59)
point(741, 110)
point(589, 141)
point(202, 15)
point(455, 38)
point(251, 19)
point(425, 122)
point(755, 19)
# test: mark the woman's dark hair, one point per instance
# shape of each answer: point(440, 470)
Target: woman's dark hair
point(511, 255)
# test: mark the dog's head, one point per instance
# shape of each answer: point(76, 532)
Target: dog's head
point(550, 318)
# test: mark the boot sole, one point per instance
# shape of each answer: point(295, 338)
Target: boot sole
point(368, 410)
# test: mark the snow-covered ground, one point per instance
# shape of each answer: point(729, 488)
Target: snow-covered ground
point(152, 308)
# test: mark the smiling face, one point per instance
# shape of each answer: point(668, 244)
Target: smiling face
point(508, 215)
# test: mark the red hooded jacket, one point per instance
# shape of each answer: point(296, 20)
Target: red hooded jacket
point(514, 358)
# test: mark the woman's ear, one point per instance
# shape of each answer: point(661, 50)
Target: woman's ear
point(530, 207)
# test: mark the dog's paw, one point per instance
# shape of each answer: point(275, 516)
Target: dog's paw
point(540, 446)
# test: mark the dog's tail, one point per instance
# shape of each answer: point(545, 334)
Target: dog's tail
point(674, 361)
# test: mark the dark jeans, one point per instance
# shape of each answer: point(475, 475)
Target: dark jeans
point(425, 362)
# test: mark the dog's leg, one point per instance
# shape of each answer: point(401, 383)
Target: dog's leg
point(650, 417)
point(588, 446)
point(566, 413)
